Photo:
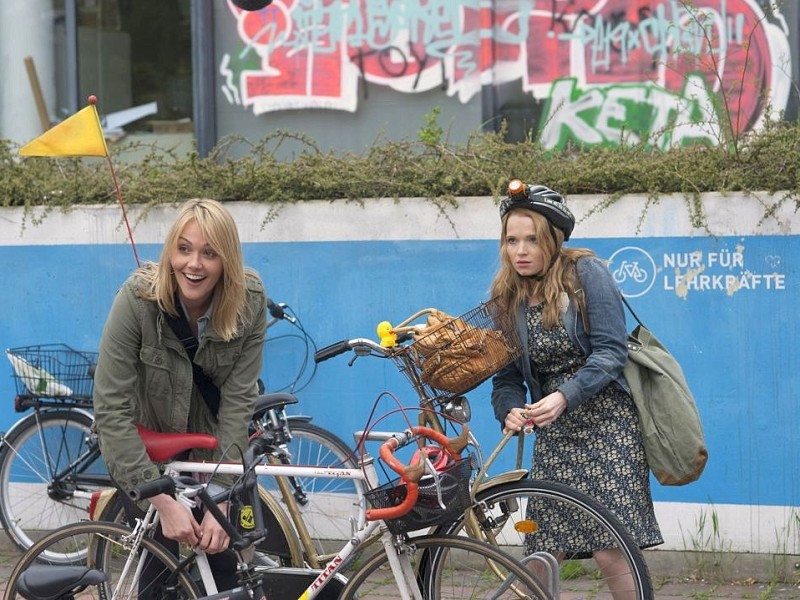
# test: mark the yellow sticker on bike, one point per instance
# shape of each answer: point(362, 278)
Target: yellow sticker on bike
point(246, 518)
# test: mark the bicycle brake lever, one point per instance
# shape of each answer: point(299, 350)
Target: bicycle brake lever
point(286, 315)
point(431, 470)
point(276, 310)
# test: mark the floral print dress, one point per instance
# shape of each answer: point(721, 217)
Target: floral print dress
point(597, 448)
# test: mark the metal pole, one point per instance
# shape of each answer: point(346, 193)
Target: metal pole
point(204, 96)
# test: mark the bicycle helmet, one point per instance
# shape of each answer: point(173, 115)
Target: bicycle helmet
point(540, 199)
point(440, 459)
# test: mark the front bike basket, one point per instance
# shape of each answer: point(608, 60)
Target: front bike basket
point(453, 355)
point(53, 371)
point(453, 491)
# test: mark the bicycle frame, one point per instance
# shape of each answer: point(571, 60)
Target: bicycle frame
point(364, 530)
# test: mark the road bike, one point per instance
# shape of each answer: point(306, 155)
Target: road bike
point(443, 363)
point(380, 560)
point(51, 471)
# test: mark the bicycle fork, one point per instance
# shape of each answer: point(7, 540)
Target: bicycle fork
point(399, 556)
point(135, 541)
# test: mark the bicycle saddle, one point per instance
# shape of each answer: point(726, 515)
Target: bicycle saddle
point(267, 402)
point(162, 447)
point(51, 582)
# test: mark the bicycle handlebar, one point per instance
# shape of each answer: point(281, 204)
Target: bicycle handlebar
point(411, 474)
point(148, 489)
point(360, 345)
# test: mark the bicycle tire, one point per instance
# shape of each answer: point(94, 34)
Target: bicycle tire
point(501, 511)
point(43, 443)
point(104, 547)
point(329, 502)
point(447, 567)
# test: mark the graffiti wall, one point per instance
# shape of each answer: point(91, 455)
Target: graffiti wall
point(593, 72)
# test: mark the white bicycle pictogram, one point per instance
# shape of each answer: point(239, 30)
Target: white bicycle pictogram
point(632, 270)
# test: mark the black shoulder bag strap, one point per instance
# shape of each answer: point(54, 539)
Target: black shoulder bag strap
point(630, 309)
point(206, 387)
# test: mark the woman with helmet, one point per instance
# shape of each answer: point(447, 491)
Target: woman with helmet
point(567, 309)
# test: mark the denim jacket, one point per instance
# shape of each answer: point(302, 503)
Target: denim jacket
point(604, 346)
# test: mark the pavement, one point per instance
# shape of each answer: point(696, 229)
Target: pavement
point(666, 587)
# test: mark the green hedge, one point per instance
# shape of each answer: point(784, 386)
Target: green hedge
point(426, 167)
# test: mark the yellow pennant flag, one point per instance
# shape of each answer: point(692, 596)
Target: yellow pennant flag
point(78, 135)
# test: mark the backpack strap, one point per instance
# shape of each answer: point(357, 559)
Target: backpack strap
point(628, 306)
point(206, 387)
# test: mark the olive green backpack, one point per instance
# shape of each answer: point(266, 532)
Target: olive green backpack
point(670, 423)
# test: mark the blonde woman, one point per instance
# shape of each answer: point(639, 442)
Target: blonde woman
point(569, 384)
point(145, 373)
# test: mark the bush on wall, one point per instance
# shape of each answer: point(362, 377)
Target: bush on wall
point(428, 167)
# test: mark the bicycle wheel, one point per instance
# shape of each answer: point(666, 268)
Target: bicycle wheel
point(107, 547)
point(49, 465)
point(447, 567)
point(325, 505)
point(501, 513)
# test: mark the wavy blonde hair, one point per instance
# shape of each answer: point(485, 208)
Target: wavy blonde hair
point(158, 283)
point(511, 289)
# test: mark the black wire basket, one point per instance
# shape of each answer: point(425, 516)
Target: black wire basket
point(453, 355)
point(454, 483)
point(53, 371)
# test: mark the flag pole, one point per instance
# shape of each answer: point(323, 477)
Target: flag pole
point(93, 102)
point(124, 212)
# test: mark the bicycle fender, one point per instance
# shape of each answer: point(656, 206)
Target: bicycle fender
point(295, 549)
point(23, 422)
point(507, 477)
point(301, 418)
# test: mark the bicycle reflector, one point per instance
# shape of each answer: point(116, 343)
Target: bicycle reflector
point(526, 526)
point(21, 403)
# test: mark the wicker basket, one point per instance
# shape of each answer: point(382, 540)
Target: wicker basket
point(53, 371)
point(453, 355)
point(454, 483)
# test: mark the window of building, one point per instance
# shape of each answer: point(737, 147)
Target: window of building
point(135, 56)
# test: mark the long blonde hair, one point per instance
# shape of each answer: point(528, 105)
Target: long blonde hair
point(511, 289)
point(158, 282)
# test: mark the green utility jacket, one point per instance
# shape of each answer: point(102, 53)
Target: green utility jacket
point(145, 376)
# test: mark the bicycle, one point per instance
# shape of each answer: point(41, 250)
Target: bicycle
point(307, 516)
point(499, 510)
point(426, 567)
point(51, 471)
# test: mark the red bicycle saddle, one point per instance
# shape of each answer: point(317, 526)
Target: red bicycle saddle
point(162, 447)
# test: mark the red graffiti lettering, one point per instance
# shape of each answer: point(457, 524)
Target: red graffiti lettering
point(316, 53)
